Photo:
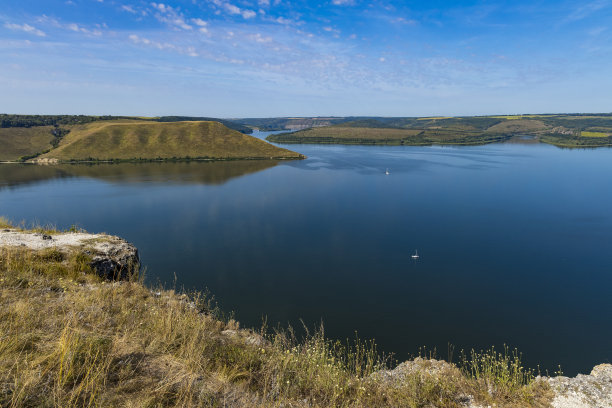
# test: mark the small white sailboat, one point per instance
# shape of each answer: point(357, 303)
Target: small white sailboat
point(416, 255)
point(387, 172)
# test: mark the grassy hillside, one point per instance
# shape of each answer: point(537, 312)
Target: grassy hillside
point(354, 134)
point(70, 339)
point(561, 130)
point(136, 140)
point(347, 135)
point(21, 141)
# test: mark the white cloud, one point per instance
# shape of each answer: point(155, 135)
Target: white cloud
point(248, 14)
point(343, 2)
point(70, 26)
point(78, 29)
point(25, 27)
point(201, 25)
point(156, 44)
point(264, 3)
point(128, 8)
point(233, 9)
point(283, 20)
point(171, 16)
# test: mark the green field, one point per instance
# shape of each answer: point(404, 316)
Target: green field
point(131, 140)
point(21, 141)
point(594, 134)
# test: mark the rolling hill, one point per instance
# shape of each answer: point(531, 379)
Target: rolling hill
point(130, 140)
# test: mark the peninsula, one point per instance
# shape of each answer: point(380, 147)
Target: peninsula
point(113, 140)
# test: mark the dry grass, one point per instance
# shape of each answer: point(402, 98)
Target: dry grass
point(134, 140)
point(5, 223)
point(69, 339)
point(21, 141)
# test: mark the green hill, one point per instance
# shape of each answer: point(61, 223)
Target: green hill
point(144, 140)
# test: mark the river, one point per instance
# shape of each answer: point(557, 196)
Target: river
point(515, 240)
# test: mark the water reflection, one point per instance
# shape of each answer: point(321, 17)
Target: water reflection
point(213, 173)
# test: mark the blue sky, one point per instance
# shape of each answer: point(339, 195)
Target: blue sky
point(259, 58)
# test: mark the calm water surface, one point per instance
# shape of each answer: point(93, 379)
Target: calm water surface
point(515, 240)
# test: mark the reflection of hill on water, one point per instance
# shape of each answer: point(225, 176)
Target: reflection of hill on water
point(12, 175)
point(218, 172)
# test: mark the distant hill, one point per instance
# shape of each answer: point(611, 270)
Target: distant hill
point(130, 140)
point(575, 130)
point(274, 124)
point(229, 123)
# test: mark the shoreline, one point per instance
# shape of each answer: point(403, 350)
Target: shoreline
point(156, 160)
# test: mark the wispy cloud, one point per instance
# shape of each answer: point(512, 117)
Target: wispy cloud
point(233, 9)
point(587, 9)
point(26, 28)
point(73, 27)
point(128, 8)
point(171, 16)
point(343, 48)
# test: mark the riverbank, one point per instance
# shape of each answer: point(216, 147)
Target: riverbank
point(74, 337)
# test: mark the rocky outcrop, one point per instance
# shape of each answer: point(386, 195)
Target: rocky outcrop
point(109, 256)
point(584, 391)
point(419, 366)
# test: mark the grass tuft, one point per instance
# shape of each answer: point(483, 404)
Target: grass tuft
point(5, 223)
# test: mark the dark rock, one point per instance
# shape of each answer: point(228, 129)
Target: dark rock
point(119, 261)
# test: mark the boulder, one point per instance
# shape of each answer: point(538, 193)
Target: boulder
point(111, 256)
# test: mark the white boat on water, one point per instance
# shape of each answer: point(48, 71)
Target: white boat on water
point(416, 255)
point(387, 172)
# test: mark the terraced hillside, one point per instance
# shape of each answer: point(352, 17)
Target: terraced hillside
point(129, 140)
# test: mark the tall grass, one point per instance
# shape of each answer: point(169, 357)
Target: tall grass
point(68, 339)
